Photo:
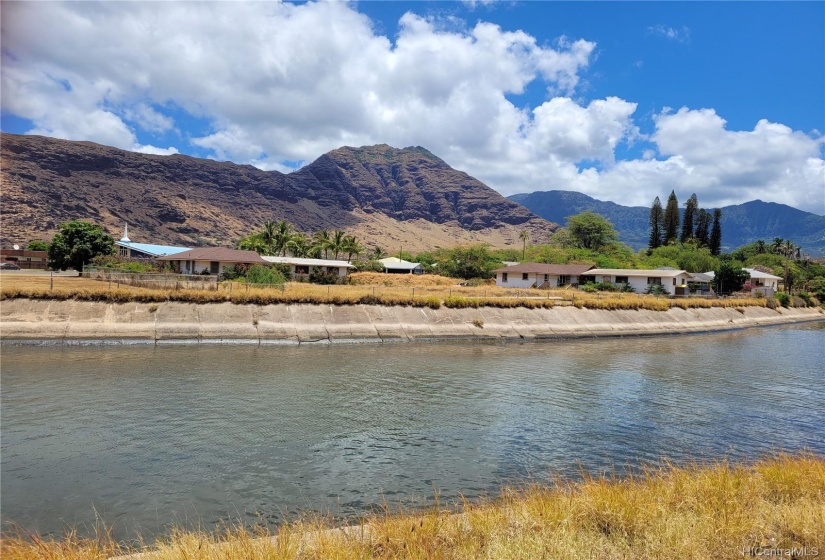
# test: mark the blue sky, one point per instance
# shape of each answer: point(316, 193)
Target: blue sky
point(621, 101)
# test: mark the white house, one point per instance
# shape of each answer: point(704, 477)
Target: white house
point(129, 249)
point(394, 265)
point(641, 280)
point(540, 275)
point(303, 267)
point(763, 283)
point(213, 260)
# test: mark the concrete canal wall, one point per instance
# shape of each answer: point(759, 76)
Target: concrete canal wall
point(174, 322)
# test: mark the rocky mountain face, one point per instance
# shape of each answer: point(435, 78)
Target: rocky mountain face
point(388, 197)
point(741, 223)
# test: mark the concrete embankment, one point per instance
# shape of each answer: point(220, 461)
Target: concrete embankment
point(173, 322)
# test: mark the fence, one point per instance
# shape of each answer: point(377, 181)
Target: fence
point(159, 280)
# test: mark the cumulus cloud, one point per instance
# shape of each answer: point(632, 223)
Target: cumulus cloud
point(276, 83)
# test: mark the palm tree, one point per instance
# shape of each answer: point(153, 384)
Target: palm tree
point(320, 242)
point(761, 247)
point(268, 233)
point(776, 246)
point(352, 247)
point(524, 235)
point(299, 245)
point(254, 242)
point(787, 250)
point(377, 253)
point(336, 242)
point(283, 234)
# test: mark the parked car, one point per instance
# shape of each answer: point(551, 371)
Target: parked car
point(9, 266)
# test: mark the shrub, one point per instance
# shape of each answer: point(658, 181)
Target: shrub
point(656, 290)
point(783, 298)
point(806, 297)
point(259, 274)
point(320, 276)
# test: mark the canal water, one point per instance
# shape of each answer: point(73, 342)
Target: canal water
point(143, 437)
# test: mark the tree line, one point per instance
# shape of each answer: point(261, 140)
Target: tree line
point(702, 227)
point(280, 238)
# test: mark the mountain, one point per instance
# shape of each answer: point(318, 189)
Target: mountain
point(394, 198)
point(741, 223)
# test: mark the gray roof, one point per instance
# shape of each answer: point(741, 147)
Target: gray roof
point(543, 268)
point(656, 273)
point(301, 261)
point(219, 254)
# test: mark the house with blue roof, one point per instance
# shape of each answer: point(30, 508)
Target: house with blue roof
point(127, 248)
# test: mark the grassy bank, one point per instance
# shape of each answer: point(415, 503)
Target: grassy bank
point(720, 511)
point(432, 297)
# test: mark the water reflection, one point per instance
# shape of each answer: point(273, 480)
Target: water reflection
point(154, 435)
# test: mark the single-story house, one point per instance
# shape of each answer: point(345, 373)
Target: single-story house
point(213, 260)
point(394, 265)
point(126, 248)
point(303, 267)
point(763, 283)
point(670, 279)
point(540, 275)
point(24, 258)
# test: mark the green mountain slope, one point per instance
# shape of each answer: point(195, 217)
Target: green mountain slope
point(741, 223)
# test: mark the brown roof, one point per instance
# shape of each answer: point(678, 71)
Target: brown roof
point(541, 268)
point(220, 254)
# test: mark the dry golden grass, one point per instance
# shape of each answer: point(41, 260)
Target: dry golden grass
point(696, 512)
point(431, 293)
point(401, 280)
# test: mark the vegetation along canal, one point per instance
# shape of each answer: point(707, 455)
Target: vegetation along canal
point(144, 437)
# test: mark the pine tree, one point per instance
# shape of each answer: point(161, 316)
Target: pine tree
point(715, 242)
point(656, 216)
point(702, 235)
point(691, 206)
point(671, 219)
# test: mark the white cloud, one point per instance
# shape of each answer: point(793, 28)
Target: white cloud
point(277, 83)
point(148, 149)
point(681, 35)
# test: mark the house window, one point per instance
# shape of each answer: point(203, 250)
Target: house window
point(654, 280)
point(524, 276)
point(124, 252)
point(674, 281)
point(214, 267)
point(622, 280)
point(301, 269)
point(503, 276)
point(564, 280)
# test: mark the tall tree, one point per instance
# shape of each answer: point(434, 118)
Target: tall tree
point(691, 206)
point(352, 247)
point(671, 219)
point(320, 241)
point(656, 219)
point(78, 242)
point(591, 231)
point(703, 219)
point(337, 243)
point(524, 235)
point(268, 233)
point(715, 241)
point(283, 233)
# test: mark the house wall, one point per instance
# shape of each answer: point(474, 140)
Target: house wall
point(514, 280)
point(639, 283)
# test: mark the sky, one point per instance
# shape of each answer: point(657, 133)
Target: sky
point(622, 101)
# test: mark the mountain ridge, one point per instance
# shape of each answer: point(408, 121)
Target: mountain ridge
point(741, 223)
point(394, 198)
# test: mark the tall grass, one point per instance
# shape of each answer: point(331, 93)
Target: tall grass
point(695, 512)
